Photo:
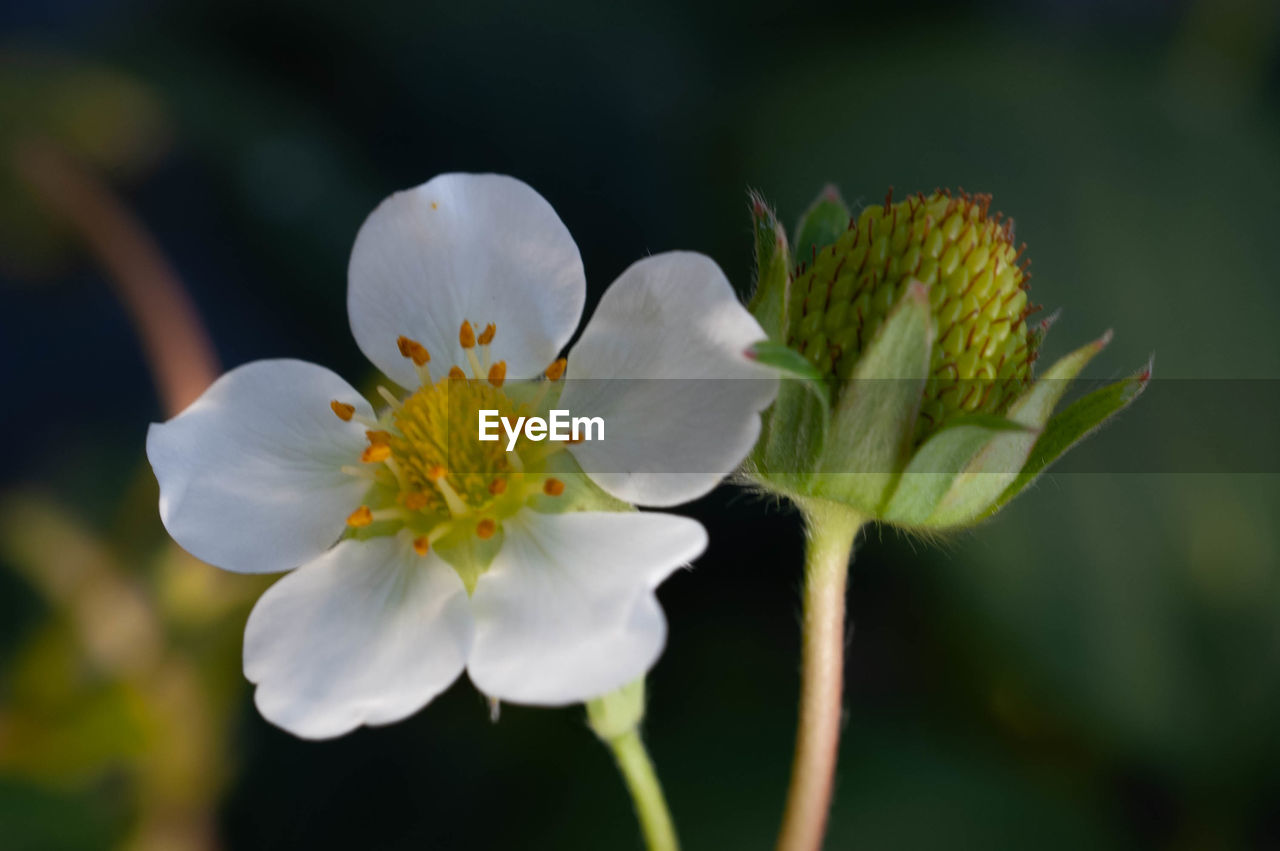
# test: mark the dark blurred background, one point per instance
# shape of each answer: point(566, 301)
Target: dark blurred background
point(1097, 667)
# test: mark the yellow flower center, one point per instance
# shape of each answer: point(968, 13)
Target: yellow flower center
point(435, 444)
point(430, 473)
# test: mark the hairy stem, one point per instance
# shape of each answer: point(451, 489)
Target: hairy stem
point(830, 531)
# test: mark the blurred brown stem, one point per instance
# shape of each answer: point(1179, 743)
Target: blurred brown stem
point(174, 341)
point(830, 530)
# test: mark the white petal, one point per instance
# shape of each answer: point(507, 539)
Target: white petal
point(662, 361)
point(566, 611)
point(481, 247)
point(250, 475)
point(368, 633)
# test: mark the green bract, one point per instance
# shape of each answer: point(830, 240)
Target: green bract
point(905, 332)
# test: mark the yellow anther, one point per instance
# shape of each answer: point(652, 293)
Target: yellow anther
point(344, 411)
point(376, 453)
point(498, 487)
point(498, 373)
point(421, 545)
point(486, 336)
point(553, 487)
point(378, 437)
point(415, 500)
point(485, 528)
point(556, 370)
point(467, 335)
point(436, 473)
point(362, 516)
point(413, 350)
point(456, 373)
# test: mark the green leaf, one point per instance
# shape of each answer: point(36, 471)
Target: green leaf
point(935, 465)
point(822, 224)
point(994, 468)
point(773, 270)
point(874, 418)
point(1080, 419)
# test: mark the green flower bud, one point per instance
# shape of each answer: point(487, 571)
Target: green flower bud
point(977, 292)
point(906, 331)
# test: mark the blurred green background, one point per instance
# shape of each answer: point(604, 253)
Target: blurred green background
point(1097, 667)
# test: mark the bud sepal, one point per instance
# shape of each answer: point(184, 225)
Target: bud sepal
point(912, 399)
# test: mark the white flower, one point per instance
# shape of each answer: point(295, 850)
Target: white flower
point(452, 554)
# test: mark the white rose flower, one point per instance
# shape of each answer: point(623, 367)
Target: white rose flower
point(416, 555)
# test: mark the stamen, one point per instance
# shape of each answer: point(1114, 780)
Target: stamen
point(498, 487)
point(344, 411)
point(498, 373)
point(477, 370)
point(413, 350)
point(378, 437)
point(359, 472)
point(513, 458)
point(485, 338)
point(421, 545)
point(362, 516)
point(456, 373)
point(456, 506)
point(485, 529)
point(467, 335)
point(417, 353)
point(390, 397)
point(376, 453)
point(553, 373)
point(396, 471)
point(392, 513)
point(553, 487)
point(415, 500)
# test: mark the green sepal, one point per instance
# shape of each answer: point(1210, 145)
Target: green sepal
point(773, 270)
point(822, 224)
point(1035, 337)
point(874, 418)
point(1074, 423)
point(999, 463)
point(937, 462)
point(794, 428)
point(618, 712)
point(468, 553)
point(795, 366)
point(580, 492)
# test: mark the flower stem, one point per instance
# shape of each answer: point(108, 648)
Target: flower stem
point(174, 340)
point(615, 718)
point(830, 533)
point(646, 792)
